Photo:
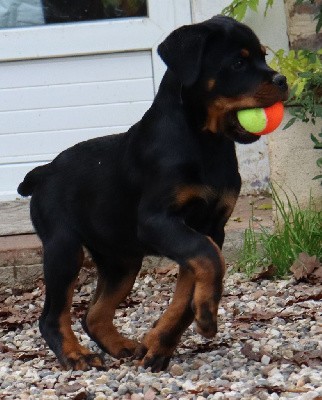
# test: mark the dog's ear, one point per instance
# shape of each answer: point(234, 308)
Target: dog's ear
point(182, 50)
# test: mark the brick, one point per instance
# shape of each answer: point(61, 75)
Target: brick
point(7, 276)
point(20, 250)
point(301, 25)
point(21, 255)
point(27, 275)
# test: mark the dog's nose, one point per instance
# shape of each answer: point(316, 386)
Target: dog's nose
point(280, 81)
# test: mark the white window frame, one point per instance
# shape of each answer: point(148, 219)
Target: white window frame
point(97, 37)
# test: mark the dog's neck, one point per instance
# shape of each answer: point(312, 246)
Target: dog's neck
point(173, 94)
point(192, 101)
point(195, 101)
point(170, 89)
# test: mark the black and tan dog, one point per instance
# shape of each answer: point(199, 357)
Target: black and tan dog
point(167, 187)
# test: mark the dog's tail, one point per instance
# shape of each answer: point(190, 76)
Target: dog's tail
point(32, 179)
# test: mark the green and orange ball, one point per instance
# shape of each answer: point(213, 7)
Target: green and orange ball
point(261, 121)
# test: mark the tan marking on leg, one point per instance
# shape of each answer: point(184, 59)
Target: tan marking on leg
point(100, 317)
point(71, 348)
point(98, 291)
point(209, 274)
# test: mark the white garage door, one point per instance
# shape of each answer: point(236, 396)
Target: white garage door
point(61, 83)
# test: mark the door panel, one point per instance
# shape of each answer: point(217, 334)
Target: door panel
point(76, 81)
point(55, 103)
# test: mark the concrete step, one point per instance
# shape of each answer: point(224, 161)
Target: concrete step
point(21, 254)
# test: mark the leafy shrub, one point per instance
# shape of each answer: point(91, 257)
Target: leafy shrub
point(297, 230)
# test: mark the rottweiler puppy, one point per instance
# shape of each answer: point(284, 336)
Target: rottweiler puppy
point(165, 187)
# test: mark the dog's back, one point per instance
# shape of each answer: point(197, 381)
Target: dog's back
point(89, 185)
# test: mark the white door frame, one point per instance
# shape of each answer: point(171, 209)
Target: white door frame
point(97, 37)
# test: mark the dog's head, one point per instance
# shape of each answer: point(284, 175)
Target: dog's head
point(221, 63)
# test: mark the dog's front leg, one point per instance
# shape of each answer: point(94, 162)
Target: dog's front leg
point(198, 291)
point(159, 344)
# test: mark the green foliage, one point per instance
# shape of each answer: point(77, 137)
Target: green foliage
point(297, 230)
point(238, 8)
point(303, 70)
point(251, 257)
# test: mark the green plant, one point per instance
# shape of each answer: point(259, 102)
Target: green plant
point(304, 72)
point(238, 8)
point(251, 257)
point(298, 230)
point(303, 69)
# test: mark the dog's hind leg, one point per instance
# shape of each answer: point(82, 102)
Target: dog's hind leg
point(63, 258)
point(116, 279)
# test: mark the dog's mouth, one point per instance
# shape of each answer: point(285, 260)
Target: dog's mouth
point(235, 131)
point(222, 114)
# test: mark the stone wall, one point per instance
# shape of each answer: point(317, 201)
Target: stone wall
point(293, 164)
point(301, 25)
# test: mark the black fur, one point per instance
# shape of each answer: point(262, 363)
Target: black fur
point(165, 187)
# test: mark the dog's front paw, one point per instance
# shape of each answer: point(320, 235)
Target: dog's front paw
point(152, 358)
point(206, 319)
point(155, 351)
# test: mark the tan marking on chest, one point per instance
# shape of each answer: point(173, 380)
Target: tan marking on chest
point(211, 84)
point(187, 193)
point(227, 201)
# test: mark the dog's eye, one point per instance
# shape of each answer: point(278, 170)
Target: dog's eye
point(238, 65)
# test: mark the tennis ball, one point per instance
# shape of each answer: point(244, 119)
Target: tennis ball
point(261, 121)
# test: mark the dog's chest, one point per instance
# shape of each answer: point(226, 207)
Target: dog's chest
point(204, 206)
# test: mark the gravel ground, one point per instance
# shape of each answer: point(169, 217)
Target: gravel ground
point(269, 346)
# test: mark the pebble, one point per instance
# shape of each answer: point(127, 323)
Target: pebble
point(302, 381)
point(121, 375)
point(101, 380)
point(188, 385)
point(265, 359)
point(176, 370)
point(198, 364)
point(137, 396)
point(149, 395)
point(100, 396)
point(49, 392)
